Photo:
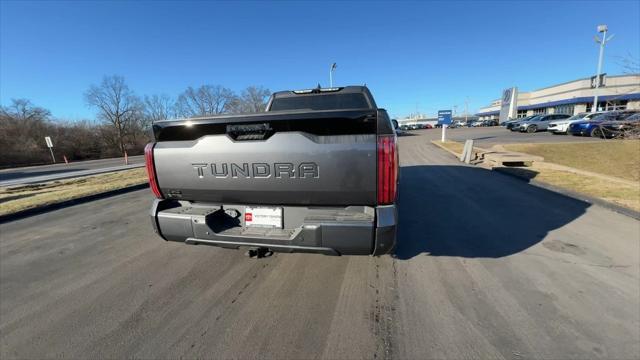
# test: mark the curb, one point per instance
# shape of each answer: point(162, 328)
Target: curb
point(81, 200)
point(435, 142)
point(577, 196)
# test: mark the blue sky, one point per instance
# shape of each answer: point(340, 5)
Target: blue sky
point(424, 55)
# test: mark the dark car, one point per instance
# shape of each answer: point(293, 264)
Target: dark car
point(592, 127)
point(611, 129)
point(490, 123)
point(515, 123)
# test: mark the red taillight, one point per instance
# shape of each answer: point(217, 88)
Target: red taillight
point(151, 170)
point(387, 169)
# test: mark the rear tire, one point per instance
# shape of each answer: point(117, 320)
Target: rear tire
point(596, 132)
point(531, 129)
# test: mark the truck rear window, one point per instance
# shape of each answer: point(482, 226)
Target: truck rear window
point(320, 102)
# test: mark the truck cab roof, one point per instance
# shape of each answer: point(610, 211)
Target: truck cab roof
point(335, 98)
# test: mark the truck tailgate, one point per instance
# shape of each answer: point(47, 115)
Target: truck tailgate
point(287, 168)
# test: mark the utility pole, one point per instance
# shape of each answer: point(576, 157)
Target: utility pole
point(331, 70)
point(601, 29)
point(466, 109)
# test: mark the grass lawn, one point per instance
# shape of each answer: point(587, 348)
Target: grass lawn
point(29, 196)
point(617, 193)
point(619, 158)
point(454, 146)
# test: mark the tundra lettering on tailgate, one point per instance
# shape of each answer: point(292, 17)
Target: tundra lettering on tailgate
point(257, 170)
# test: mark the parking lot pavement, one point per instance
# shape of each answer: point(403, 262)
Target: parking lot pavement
point(487, 266)
point(489, 136)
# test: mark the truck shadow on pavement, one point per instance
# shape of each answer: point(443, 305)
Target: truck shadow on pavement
point(471, 212)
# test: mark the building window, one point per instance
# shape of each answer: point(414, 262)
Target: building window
point(522, 113)
point(609, 105)
point(563, 109)
point(539, 111)
point(616, 105)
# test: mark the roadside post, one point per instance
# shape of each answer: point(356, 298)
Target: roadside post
point(126, 158)
point(444, 119)
point(467, 152)
point(50, 146)
point(66, 161)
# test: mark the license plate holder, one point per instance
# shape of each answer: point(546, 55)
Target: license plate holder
point(263, 217)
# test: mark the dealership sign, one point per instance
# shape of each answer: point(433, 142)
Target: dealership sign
point(444, 117)
point(509, 105)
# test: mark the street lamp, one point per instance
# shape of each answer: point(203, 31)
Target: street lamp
point(601, 29)
point(331, 70)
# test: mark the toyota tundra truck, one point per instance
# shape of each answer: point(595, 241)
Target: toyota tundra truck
point(316, 172)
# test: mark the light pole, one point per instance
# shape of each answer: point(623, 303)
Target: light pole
point(466, 109)
point(333, 67)
point(601, 29)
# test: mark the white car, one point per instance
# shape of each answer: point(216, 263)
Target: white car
point(561, 126)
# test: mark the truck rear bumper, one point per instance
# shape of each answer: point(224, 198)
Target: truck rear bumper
point(352, 230)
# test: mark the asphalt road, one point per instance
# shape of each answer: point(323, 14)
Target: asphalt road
point(62, 168)
point(487, 266)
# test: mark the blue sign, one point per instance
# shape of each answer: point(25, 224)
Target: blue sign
point(444, 117)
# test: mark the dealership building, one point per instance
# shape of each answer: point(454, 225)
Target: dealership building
point(617, 92)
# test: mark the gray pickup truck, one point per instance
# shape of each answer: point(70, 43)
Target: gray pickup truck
point(316, 172)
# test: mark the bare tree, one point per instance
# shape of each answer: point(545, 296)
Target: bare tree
point(23, 127)
point(205, 100)
point(23, 109)
point(158, 107)
point(253, 99)
point(117, 105)
point(629, 63)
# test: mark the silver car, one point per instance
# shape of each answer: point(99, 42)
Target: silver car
point(561, 126)
point(540, 123)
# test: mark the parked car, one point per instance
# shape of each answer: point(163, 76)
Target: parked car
point(611, 129)
point(511, 121)
point(477, 123)
point(540, 123)
point(457, 124)
point(489, 123)
point(592, 127)
point(427, 126)
point(561, 126)
point(279, 180)
point(514, 125)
